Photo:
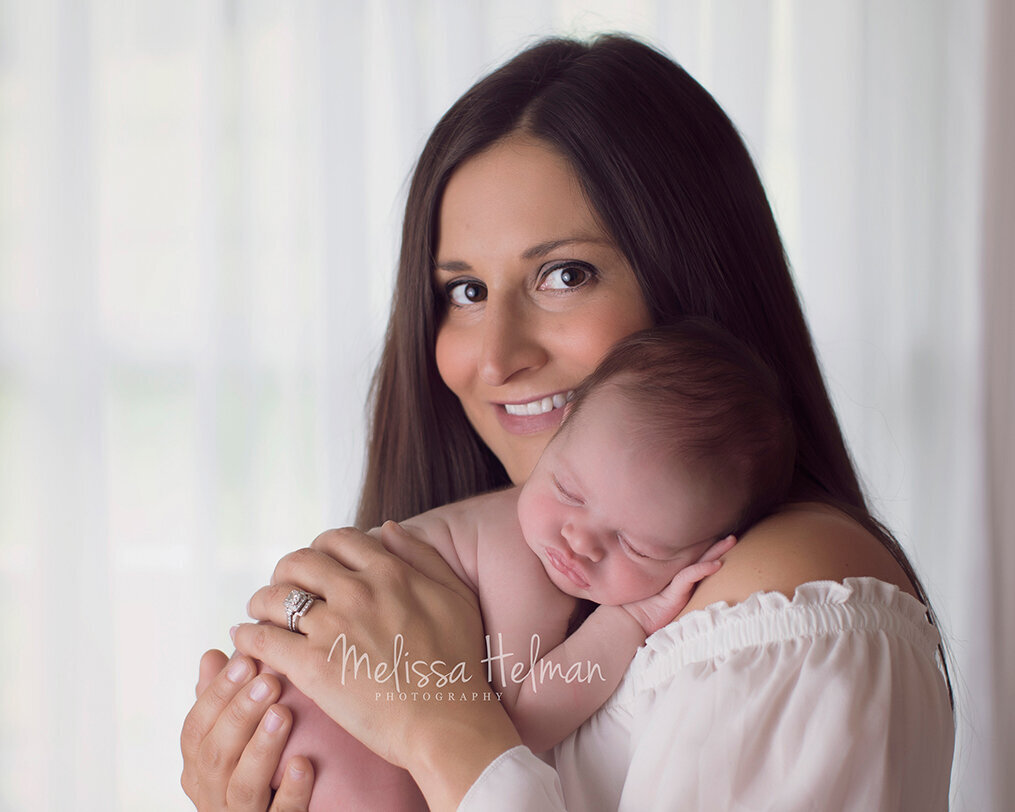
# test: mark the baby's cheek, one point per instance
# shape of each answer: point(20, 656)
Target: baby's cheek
point(536, 518)
point(634, 584)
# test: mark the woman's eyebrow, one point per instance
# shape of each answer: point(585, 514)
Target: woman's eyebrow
point(544, 248)
point(536, 251)
point(454, 266)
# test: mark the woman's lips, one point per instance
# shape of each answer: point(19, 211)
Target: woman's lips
point(538, 406)
point(561, 565)
point(534, 416)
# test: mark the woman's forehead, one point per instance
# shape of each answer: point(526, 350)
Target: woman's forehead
point(521, 193)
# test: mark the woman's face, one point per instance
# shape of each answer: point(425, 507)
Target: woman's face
point(535, 293)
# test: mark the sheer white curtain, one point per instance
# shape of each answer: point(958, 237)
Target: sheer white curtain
point(199, 208)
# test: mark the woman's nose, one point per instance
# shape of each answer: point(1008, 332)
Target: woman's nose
point(510, 343)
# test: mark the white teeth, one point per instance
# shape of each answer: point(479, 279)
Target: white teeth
point(541, 406)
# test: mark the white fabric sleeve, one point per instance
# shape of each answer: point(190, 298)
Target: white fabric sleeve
point(834, 701)
point(515, 780)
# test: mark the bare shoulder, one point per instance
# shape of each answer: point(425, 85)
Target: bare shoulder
point(802, 543)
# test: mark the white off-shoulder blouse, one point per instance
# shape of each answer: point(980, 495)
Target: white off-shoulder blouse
point(832, 701)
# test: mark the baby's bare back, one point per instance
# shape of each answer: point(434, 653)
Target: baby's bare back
point(347, 775)
point(481, 541)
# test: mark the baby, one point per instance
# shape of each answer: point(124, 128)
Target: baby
point(677, 443)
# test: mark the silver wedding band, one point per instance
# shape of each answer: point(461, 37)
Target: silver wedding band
point(297, 604)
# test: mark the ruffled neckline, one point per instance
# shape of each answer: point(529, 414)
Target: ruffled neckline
point(816, 608)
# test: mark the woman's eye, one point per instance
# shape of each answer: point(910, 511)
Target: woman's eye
point(567, 275)
point(465, 293)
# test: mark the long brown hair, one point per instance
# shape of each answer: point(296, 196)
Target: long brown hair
point(669, 177)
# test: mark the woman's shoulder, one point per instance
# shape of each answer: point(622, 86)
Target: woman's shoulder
point(802, 543)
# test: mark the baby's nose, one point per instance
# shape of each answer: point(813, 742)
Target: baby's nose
point(585, 543)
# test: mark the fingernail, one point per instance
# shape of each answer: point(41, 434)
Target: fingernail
point(237, 671)
point(232, 632)
point(259, 690)
point(296, 775)
point(273, 721)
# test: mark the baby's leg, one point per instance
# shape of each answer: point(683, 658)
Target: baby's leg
point(346, 774)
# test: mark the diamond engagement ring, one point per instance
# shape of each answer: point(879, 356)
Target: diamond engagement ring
point(297, 604)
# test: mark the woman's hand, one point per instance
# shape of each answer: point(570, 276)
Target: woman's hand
point(232, 739)
point(388, 604)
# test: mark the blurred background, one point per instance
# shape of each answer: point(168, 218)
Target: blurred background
point(200, 203)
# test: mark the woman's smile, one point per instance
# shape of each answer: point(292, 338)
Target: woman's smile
point(534, 294)
point(539, 405)
point(540, 414)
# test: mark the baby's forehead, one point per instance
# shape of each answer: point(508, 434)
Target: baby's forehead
point(610, 407)
point(605, 401)
point(629, 435)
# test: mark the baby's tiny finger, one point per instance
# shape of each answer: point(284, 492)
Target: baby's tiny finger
point(703, 569)
point(719, 549)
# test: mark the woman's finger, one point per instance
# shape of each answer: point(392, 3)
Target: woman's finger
point(222, 749)
point(269, 603)
point(297, 783)
point(313, 570)
point(212, 662)
point(350, 547)
point(277, 648)
point(211, 703)
point(250, 783)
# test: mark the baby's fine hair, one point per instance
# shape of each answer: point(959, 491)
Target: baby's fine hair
point(702, 397)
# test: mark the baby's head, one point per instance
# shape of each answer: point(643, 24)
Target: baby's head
point(679, 438)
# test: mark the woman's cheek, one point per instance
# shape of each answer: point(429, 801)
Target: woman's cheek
point(451, 357)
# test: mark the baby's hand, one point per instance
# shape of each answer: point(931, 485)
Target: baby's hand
point(656, 611)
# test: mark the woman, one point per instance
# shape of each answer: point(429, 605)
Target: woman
point(580, 193)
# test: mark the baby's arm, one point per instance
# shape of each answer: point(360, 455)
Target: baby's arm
point(568, 683)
